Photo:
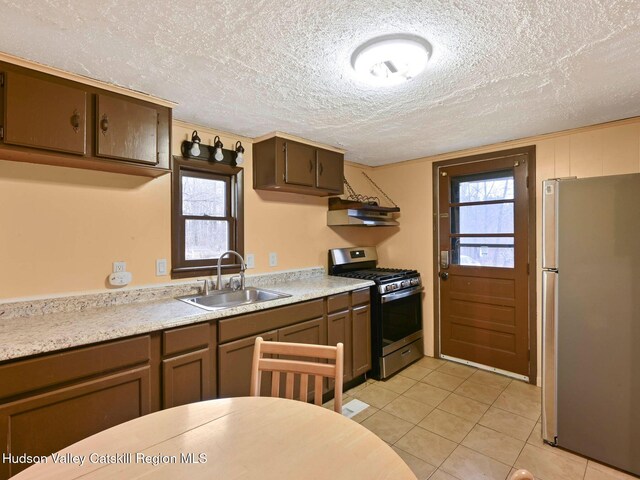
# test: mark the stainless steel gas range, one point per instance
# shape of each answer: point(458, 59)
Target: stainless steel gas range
point(396, 307)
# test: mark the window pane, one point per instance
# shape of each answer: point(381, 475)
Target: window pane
point(482, 187)
point(483, 251)
point(205, 239)
point(492, 218)
point(201, 196)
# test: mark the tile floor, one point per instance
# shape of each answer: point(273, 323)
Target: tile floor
point(453, 422)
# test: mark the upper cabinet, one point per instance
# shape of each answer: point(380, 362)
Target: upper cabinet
point(56, 121)
point(286, 165)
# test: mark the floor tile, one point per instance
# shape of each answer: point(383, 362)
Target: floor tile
point(397, 383)
point(467, 464)
point(427, 394)
point(415, 372)
point(464, 407)
point(352, 391)
point(363, 415)
point(508, 423)
point(386, 426)
point(421, 469)
point(447, 425)
point(427, 446)
point(496, 445)
point(596, 471)
point(518, 404)
point(442, 475)
point(545, 465)
point(532, 392)
point(491, 379)
point(430, 362)
point(481, 393)
point(376, 396)
point(408, 409)
point(457, 370)
point(443, 380)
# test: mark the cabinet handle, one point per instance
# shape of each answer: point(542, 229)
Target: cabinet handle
point(104, 124)
point(75, 121)
point(321, 168)
point(310, 166)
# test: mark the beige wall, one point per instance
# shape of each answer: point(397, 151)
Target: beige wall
point(61, 228)
point(606, 149)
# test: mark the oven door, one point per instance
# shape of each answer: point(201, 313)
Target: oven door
point(401, 318)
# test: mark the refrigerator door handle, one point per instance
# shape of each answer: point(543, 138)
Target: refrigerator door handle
point(549, 223)
point(549, 359)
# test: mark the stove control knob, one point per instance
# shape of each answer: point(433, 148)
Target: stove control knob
point(415, 281)
point(405, 283)
point(388, 288)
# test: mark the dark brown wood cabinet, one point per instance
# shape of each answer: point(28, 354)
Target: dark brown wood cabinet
point(55, 121)
point(361, 334)
point(188, 364)
point(234, 364)
point(52, 401)
point(44, 114)
point(286, 165)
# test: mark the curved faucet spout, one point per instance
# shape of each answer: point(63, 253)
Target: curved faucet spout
point(243, 267)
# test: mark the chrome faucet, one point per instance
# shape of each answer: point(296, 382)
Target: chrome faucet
point(243, 267)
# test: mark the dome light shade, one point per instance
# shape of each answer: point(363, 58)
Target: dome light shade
point(391, 59)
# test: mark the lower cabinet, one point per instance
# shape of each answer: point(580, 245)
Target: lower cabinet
point(361, 334)
point(47, 422)
point(339, 331)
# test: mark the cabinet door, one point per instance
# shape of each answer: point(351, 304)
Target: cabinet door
point(339, 330)
point(330, 171)
point(44, 114)
point(299, 163)
point(361, 334)
point(186, 378)
point(234, 367)
point(126, 130)
point(45, 423)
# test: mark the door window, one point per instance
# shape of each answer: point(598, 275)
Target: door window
point(482, 219)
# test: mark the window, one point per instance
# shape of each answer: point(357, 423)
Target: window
point(207, 217)
point(482, 219)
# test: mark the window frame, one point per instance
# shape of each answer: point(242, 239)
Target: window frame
point(234, 177)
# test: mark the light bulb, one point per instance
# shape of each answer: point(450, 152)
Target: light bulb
point(239, 153)
point(219, 156)
point(195, 150)
point(239, 158)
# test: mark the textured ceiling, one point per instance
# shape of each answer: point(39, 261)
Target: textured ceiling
point(501, 69)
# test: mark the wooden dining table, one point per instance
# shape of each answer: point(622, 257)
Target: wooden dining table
point(233, 438)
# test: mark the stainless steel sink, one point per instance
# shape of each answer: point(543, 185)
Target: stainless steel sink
point(220, 299)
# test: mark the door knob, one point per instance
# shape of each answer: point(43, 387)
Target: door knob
point(444, 275)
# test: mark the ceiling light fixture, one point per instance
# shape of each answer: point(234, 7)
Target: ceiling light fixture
point(391, 59)
point(239, 153)
point(217, 144)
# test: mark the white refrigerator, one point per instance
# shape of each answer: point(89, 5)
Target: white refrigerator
point(591, 318)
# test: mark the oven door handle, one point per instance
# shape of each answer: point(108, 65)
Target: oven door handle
point(390, 297)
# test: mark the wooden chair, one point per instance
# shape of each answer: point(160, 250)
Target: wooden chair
point(522, 475)
point(302, 368)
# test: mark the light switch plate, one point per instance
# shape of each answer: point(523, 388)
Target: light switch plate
point(161, 267)
point(251, 260)
point(273, 259)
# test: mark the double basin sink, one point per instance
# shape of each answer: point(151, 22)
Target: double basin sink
point(221, 299)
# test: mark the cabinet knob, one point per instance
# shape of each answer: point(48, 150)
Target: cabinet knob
point(104, 124)
point(321, 168)
point(310, 166)
point(75, 121)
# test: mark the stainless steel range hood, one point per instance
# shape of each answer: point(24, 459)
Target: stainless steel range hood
point(360, 218)
point(357, 214)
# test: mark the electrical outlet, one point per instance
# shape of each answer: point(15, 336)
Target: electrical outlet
point(251, 260)
point(273, 259)
point(161, 267)
point(119, 267)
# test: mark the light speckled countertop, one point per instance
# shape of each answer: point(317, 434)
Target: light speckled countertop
point(21, 336)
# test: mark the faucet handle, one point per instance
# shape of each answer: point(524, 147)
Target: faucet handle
point(205, 286)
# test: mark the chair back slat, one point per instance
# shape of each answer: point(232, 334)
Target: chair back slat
point(288, 392)
point(304, 387)
point(298, 370)
point(275, 384)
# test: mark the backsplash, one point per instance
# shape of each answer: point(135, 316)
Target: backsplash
point(76, 303)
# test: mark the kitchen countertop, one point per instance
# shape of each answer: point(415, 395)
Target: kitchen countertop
point(27, 335)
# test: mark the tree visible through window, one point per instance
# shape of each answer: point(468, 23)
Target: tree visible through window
point(207, 216)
